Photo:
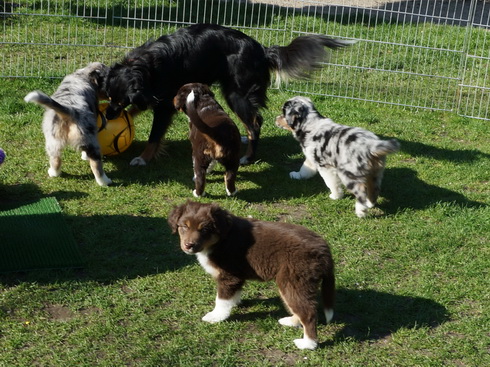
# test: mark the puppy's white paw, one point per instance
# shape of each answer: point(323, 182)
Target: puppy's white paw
point(361, 210)
point(194, 193)
point(305, 343)
point(104, 181)
point(54, 173)
point(295, 175)
point(137, 161)
point(328, 314)
point(84, 156)
point(228, 193)
point(336, 196)
point(214, 317)
point(289, 321)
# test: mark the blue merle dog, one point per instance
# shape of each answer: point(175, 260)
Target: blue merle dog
point(341, 154)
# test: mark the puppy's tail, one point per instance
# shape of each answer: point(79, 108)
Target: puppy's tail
point(46, 101)
point(328, 294)
point(303, 55)
point(194, 117)
point(385, 147)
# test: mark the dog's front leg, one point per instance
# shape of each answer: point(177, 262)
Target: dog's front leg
point(226, 299)
point(307, 170)
point(162, 117)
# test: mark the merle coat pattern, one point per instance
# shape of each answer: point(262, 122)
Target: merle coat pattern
point(234, 249)
point(341, 154)
point(71, 118)
point(213, 134)
point(150, 75)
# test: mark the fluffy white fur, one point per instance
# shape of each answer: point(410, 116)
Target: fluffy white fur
point(222, 309)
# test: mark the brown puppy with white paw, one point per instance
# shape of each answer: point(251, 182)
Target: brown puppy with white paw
point(234, 249)
point(214, 135)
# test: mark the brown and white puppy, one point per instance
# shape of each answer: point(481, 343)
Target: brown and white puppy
point(213, 134)
point(346, 155)
point(234, 249)
point(71, 118)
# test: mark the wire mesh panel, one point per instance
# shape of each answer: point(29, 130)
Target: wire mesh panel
point(474, 92)
point(425, 54)
point(410, 53)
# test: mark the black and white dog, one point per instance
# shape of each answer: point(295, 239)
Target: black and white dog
point(71, 118)
point(150, 75)
point(341, 154)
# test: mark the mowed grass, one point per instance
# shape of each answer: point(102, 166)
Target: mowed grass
point(412, 279)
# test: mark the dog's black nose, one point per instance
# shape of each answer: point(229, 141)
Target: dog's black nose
point(189, 246)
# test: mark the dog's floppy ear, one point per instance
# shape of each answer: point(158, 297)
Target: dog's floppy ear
point(174, 216)
point(179, 101)
point(295, 112)
point(222, 219)
point(98, 74)
point(140, 94)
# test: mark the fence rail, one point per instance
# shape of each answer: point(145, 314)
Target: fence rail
point(423, 54)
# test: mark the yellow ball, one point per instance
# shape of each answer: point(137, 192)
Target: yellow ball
point(117, 135)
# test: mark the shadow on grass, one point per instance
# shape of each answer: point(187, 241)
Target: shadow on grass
point(373, 315)
point(416, 149)
point(113, 248)
point(402, 189)
point(363, 314)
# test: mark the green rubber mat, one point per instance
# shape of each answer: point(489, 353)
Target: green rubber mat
point(36, 236)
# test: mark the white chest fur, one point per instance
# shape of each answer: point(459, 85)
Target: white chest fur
point(203, 259)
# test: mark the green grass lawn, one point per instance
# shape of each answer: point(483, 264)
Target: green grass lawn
point(412, 279)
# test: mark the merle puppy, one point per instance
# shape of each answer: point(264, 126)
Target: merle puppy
point(71, 118)
point(341, 154)
point(213, 134)
point(150, 75)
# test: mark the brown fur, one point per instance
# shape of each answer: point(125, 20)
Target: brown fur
point(234, 249)
point(213, 134)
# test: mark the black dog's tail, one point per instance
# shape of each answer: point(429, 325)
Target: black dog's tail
point(44, 100)
point(303, 55)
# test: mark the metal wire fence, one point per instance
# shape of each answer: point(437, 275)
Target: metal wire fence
point(424, 54)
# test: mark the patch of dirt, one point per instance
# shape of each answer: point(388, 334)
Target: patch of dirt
point(59, 312)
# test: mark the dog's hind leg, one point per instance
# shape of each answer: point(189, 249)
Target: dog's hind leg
point(53, 150)
point(246, 107)
point(201, 164)
point(230, 178)
point(54, 166)
point(95, 160)
point(359, 189)
point(302, 305)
